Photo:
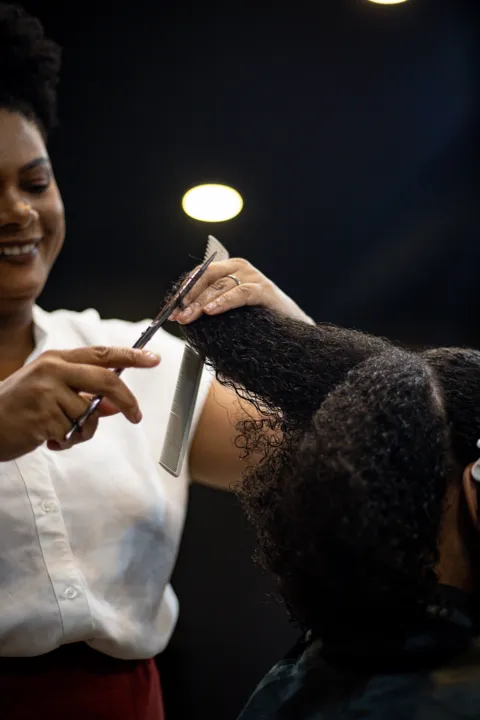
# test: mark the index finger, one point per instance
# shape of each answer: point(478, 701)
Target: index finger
point(110, 357)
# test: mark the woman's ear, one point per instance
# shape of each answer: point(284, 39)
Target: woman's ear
point(471, 487)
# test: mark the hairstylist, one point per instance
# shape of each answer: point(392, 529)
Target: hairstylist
point(88, 536)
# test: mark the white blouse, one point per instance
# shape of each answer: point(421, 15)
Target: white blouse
point(89, 536)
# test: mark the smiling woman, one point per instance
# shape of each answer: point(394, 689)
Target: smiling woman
point(99, 606)
point(32, 226)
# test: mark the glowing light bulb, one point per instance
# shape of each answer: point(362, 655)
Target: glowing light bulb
point(212, 203)
point(388, 2)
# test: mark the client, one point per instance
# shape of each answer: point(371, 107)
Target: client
point(365, 507)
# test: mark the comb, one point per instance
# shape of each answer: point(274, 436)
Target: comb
point(188, 382)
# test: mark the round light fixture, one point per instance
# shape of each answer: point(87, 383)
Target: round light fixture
point(388, 2)
point(212, 203)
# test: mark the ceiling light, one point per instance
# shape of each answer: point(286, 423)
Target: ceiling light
point(212, 203)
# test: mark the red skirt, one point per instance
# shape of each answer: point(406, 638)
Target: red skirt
point(78, 683)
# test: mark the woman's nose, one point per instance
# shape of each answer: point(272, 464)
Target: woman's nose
point(16, 212)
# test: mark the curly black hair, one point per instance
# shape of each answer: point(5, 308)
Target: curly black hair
point(458, 372)
point(283, 367)
point(31, 67)
point(348, 506)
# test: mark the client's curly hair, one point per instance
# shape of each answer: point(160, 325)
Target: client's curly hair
point(348, 506)
point(31, 66)
point(278, 366)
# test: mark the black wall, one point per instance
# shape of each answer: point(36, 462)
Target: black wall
point(352, 131)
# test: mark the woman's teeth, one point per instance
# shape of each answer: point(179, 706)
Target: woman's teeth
point(18, 249)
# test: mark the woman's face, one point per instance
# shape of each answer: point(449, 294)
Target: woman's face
point(32, 221)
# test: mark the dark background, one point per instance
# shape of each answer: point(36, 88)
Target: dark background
point(352, 132)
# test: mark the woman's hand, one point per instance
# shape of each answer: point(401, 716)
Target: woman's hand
point(217, 291)
point(39, 402)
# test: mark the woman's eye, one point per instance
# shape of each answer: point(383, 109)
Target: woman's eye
point(37, 189)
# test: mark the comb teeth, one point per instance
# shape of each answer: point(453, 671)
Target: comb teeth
point(214, 245)
point(188, 382)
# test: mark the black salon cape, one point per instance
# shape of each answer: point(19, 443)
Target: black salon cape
point(432, 675)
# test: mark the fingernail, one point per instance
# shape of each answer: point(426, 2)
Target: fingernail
point(150, 356)
point(138, 416)
point(211, 306)
point(185, 316)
